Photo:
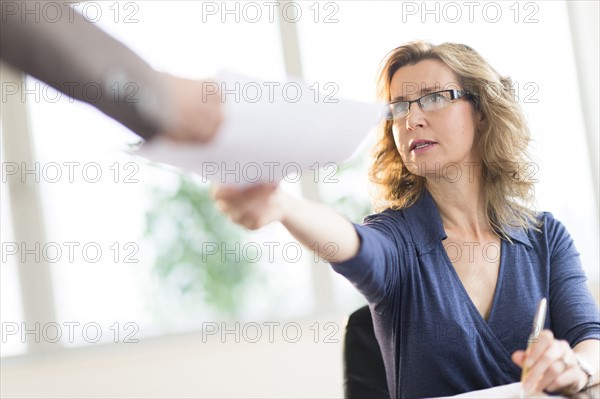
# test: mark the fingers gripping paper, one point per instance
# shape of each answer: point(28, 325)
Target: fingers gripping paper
point(270, 130)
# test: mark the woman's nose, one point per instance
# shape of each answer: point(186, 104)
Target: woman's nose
point(415, 117)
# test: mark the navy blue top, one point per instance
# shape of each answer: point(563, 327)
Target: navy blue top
point(433, 339)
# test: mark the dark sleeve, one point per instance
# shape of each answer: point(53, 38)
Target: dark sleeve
point(377, 263)
point(82, 61)
point(575, 314)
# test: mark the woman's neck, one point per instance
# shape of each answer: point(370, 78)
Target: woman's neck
point(461, 203)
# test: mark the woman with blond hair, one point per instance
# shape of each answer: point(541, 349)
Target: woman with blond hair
point(455, 261)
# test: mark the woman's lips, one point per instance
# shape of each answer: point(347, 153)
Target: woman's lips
point(421, 147)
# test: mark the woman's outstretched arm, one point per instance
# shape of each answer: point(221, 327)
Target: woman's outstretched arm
point(321, 229)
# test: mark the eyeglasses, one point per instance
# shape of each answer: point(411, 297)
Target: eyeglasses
point(428, 102)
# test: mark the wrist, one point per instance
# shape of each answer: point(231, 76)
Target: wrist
point(286, 205)
point(172, 114)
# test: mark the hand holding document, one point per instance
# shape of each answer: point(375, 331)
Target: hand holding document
point(271, 130)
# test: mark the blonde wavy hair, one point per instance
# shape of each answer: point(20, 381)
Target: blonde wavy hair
point(502, 137)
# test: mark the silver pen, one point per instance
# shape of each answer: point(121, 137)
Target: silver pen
point(538, 325)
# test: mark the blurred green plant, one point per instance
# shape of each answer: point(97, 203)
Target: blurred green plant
point(189, 236)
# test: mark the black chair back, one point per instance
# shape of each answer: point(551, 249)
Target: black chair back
point(364, 373)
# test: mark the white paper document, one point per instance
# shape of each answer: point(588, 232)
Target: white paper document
point(501, 392)
point(271, 130)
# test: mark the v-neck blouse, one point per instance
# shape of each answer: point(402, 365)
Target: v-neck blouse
point(433, 339)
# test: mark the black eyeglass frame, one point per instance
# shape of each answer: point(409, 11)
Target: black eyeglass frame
point(455, 95)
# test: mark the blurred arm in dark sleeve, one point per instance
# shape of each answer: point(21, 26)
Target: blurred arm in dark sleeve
point(82, 61)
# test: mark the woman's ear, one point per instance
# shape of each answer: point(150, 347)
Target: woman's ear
point(480, 117)
point(478, 114)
